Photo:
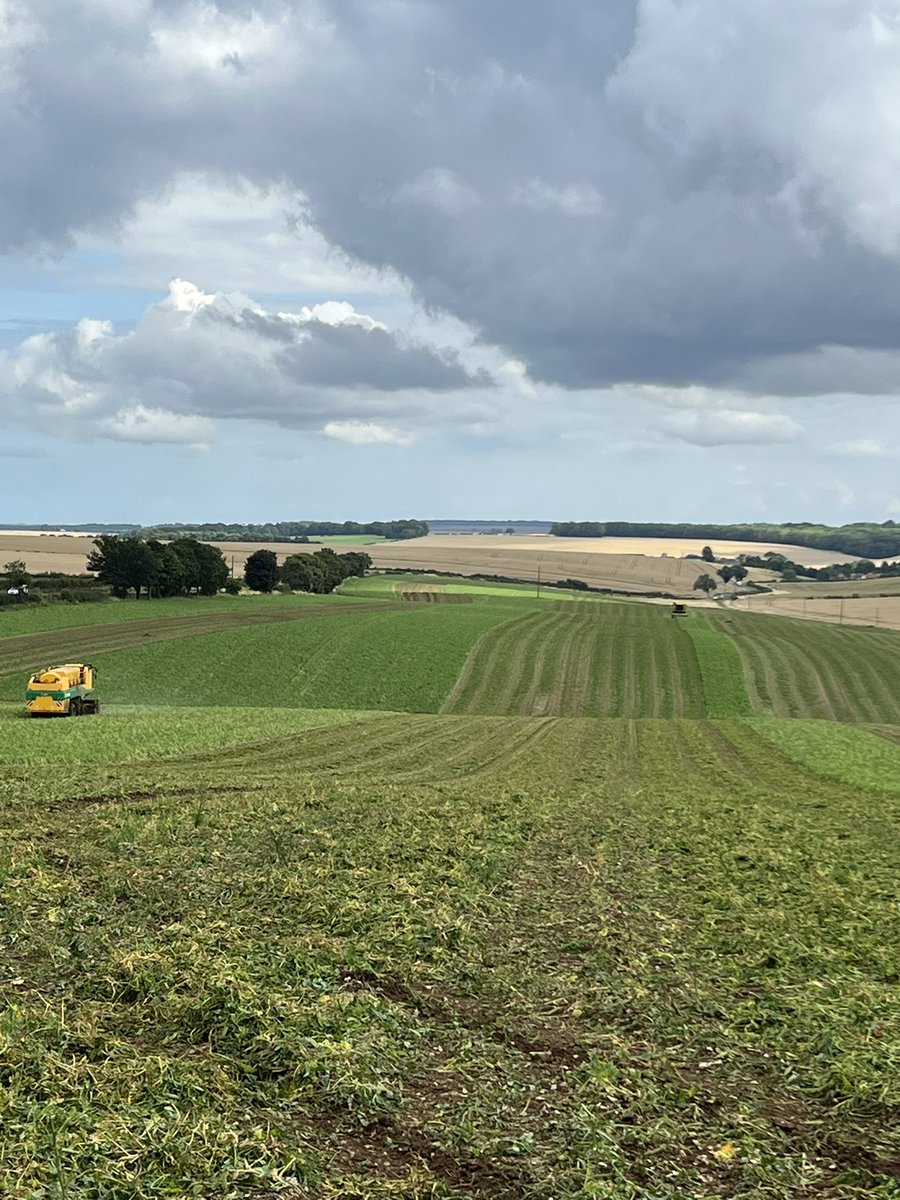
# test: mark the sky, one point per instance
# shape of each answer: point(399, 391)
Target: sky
point(363, 259)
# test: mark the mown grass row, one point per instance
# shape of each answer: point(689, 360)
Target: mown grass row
point(721, 669)
point(150, 734)
point(614, 963)
point(796, 668)
point(590, 660)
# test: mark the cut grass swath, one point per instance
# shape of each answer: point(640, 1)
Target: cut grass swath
point(721, 669)
point(586, 660)
point(798, 668)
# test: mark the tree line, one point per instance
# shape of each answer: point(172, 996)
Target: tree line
point(182, 567)
point(864, 538)
point(288, 531)
point(319, 573)
point(187, 566)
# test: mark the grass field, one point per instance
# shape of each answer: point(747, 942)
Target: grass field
point(806, 669)
point(587, 660)
point(504, 900)
point(396, 585)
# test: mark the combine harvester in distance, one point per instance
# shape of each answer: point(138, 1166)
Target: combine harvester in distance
point(66, 691)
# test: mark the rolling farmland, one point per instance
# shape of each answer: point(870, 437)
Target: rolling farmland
point(839, 607)
point(629, 567)
point(593, 561)
point(510, 898)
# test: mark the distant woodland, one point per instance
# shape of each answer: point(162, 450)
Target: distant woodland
point(864, 538)
point(290, 531)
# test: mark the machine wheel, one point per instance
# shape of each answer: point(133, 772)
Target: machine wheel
point(75, 707)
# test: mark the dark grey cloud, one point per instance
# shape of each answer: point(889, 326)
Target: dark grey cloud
point(640, 190)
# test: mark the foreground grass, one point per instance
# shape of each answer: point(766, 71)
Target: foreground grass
point(846, 753)
point(600, 963)
point(123, 735)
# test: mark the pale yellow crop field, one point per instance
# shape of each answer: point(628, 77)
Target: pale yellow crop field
point(555, 558)
point(625, 564)
point(883, 611)
point(679, 547)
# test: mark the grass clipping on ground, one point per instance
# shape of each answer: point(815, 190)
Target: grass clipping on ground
point(603, 964)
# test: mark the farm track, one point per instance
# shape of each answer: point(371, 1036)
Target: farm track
point(25, 651)
point(801, 669)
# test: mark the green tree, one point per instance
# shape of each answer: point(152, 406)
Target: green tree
point(169, 574)
point(355, 562)
point(16, 574)
point(125, 563)
point(261, 570)
point(704, 583)
point(301, 572)
point(204, 566)
point(707, 555)
point(726, 573)
point(738, 573)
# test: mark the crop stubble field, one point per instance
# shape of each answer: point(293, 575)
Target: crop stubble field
point(627, 565)
point(497, 899)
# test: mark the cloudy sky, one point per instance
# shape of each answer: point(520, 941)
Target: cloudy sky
point(274, 259)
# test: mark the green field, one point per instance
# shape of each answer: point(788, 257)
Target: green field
point(397, 585)
point(510, 899)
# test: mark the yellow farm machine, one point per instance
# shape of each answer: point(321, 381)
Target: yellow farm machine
point(66, 691)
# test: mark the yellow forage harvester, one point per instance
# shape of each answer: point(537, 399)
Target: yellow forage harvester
point(66, 691)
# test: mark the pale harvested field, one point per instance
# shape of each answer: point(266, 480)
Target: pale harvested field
point(864, 588)
point(46, 552)
point(624, 564)
point(484, 554)
point(68, 552)
point(556, 558)
point(679, 547)
point(882, 611)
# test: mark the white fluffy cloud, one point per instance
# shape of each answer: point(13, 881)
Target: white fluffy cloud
point(729, 426)
point(365, 433)
point(140, 424)
point(198, 357)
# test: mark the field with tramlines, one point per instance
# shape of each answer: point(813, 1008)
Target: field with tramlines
point(512, 898)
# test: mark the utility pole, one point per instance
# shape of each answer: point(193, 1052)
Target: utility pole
point(841, 614)
point(539, 582)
